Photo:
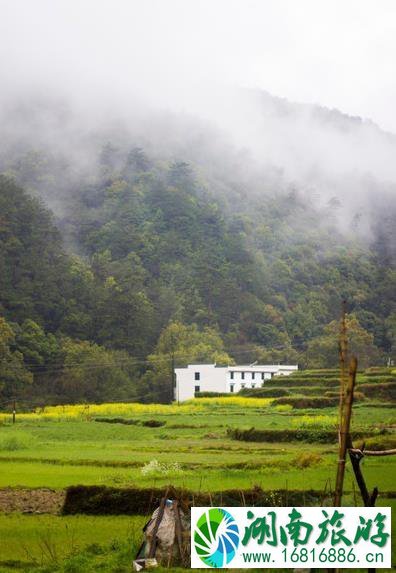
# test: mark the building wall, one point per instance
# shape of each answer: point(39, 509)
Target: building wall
point(238, 379)
point(211, 379)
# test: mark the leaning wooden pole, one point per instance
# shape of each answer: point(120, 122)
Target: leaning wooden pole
point(343, 352)
point(345, 423)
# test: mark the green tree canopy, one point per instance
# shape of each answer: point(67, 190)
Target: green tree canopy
point(14, 377)
point(323, 351)
point(179, 345)
point(92, 373)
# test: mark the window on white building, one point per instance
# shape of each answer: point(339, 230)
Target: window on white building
point(197, 376)
point(262, 376)
point(253, 374)
point(243, 375)
point(231, 387)
point(197, 388)
point(243, 385)
point(253, 385)
point(232, 375)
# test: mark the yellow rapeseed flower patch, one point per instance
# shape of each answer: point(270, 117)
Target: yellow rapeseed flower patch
point(81, 411)
point(240, 401)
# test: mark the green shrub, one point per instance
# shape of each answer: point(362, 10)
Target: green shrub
point(283, 408)
point(125, 421)
point(381, 442)
point(153, 423)
point(307, 390)
point(263, 392)
point(319, 402)
point(319, 374)
point(357, 396)
point(212, 394)
point(377, 370)
point(100, 500)
point(322, 436)
point(386, 391)
point(132, 422)
point(254, 435)
point(307, 460)
point(375, 379)
point(294, 381)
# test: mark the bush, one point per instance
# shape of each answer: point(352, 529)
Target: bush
point(386, 391)
point(288, 435)
point(375, 379)
point(307, 390)
point(357, 396)
point(319, 402)
point(132, 422)
point(307, 460)
point(321, 436)
point(125, 421)
point(153, 423)
point(283, 408)
point(377, 370)
point(383, 442)
point(212, 394)
point(320, 371)
point(316, 374)
point(297, 381)
point(264, 392)
point(100, 500)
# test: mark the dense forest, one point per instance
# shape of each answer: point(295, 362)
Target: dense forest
point(109, 269)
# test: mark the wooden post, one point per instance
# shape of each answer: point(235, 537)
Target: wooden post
point(345, 423)
point(173, 377)
point(343, 350)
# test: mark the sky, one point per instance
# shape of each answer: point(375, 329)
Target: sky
point(337, 53)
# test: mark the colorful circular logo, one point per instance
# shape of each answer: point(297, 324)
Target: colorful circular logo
point(216, 537)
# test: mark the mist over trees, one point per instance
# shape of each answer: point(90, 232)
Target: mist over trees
point(110, 245)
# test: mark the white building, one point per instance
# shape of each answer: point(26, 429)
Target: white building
point(212, 378)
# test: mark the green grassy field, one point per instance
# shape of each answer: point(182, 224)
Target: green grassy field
point(50, 544)
point(59, 447)
point(193, 450)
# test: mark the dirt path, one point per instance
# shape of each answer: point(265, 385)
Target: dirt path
point(41, 500)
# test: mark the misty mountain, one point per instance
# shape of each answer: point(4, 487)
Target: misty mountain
point(256, 228)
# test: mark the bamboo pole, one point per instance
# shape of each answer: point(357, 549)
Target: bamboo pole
point(345, 422)
point(343, 351)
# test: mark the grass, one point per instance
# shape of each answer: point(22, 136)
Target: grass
point(44, 539)
point(64, 446)
point(271, 476)
point(78, 544)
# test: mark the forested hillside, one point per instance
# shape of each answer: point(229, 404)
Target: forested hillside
point(140, 243)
